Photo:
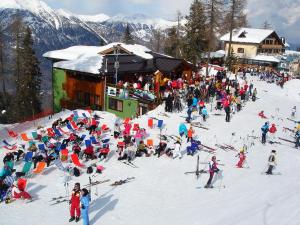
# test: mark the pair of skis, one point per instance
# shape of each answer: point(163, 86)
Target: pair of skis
point(130, 164)
point(120, 182)
point(197, 172)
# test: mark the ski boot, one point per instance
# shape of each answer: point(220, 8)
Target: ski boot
point(77, 219)
point(72, 219)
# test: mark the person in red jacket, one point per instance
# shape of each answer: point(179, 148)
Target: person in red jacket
point(213, 168)
point(242, 157)
point(104, 152)
point(272, 131)
point(75, 203)
point(262, 115)
point(89, 152)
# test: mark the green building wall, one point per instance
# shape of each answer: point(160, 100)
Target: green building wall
point(130, 107)
point(59, 78)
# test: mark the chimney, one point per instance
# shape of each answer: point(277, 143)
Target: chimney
point(283, 40)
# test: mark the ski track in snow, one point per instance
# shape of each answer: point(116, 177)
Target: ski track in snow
point(162, 194)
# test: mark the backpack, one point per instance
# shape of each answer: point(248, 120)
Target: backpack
point(89, 170)
point(76, 172)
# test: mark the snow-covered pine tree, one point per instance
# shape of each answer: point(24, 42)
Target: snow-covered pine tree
point(195, 40)
point(128, 38)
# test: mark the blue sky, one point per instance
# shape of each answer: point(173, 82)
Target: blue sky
point(283, 15)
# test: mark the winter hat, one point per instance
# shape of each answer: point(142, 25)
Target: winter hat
point(273, 151)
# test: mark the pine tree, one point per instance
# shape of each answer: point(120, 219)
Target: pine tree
point(196, 32)
point(171, 42)
point(156, 41)
point(128, 38)
point(237, 8)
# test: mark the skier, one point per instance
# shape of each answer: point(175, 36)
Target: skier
point(271, 162)
point(212, 170)
point(272, 131)
point(297, 137)
point(75, 203)
point(177, 151)
point(85, 202)
point(264, 129)
point(193, 147)
point(242, 157)
point(254, 95)
point(190, 134)
point(189, 115)
point(204, 113)
point(294, 109)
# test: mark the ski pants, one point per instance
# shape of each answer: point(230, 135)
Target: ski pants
point(74, 209)
point(240, 163)
point(22, 194)
point(297, 142)
point(211, 175)
point(85, 216)
point(227, 119)
point(263, 138)
point(270, 169)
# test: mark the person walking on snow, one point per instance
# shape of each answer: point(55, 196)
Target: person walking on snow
point(264, 129)
point(75, 203)
point(204, 113)
point(294, 110)
point(242, 157)
point(297, 137)
point(271, 162)
point(85, 202)
point(213, 168)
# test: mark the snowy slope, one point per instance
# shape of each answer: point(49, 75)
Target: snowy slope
point(162, 194)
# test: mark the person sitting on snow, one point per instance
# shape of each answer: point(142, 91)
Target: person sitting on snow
point(160, 149)
point(142, 148)
point(104, 151)
point(18, 192)
point(89, 152)
point(195, 145)
point(262, 115)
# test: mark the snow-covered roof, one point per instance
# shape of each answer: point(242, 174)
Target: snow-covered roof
point(267, 58)
point(85, 63)
point(248, 35)
point(217, 54)
point(75, 52)
point(88, 59)
point(291, 52)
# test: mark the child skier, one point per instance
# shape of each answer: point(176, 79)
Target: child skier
point(190, 134)
point(85, 202)
point(271, 162)
point(272, 131)
point(212, 170)
point(177, 151)
point(75, 203)
point(242, 157)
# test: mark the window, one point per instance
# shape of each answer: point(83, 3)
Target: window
point(115, 104)
point(87, 98)
point(79, 96)
point(97, 100)
point(240, 50)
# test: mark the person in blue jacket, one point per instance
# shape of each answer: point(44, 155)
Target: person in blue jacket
point(193, 148)
point(85, 202)
point(204, 113)
point(264, 130)
point(195, 103)
point(182, 130)
point(189, 115)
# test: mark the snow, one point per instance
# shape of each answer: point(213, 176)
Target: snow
point(163, 194)
point(86, 64)
point(212, 70)
point(252, 35)
point(268, 58)
point(94, 18)
point(291, 52)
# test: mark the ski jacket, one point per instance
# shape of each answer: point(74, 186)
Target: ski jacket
point(190, 133)
point(85, 202)
point(265, 129)
point(204, 111)
point(213, 167)
point(272, 159)
point(195, 102)
point(75, 198)
point(182, 129)
point(273, 129)
point(177, 147)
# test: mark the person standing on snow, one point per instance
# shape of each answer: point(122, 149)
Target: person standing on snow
point(294, 110)
point(75, 203)
point(272, 131)
point(271, 162)
point(297, 136)
point(212, 170)
point(85, 202)
point(190, 134)
point(204, 113)
point(242, 157)
point(265, 130)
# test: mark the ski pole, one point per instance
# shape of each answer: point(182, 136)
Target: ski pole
point(221, 180)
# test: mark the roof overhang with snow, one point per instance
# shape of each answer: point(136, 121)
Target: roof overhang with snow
point(249, 35)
